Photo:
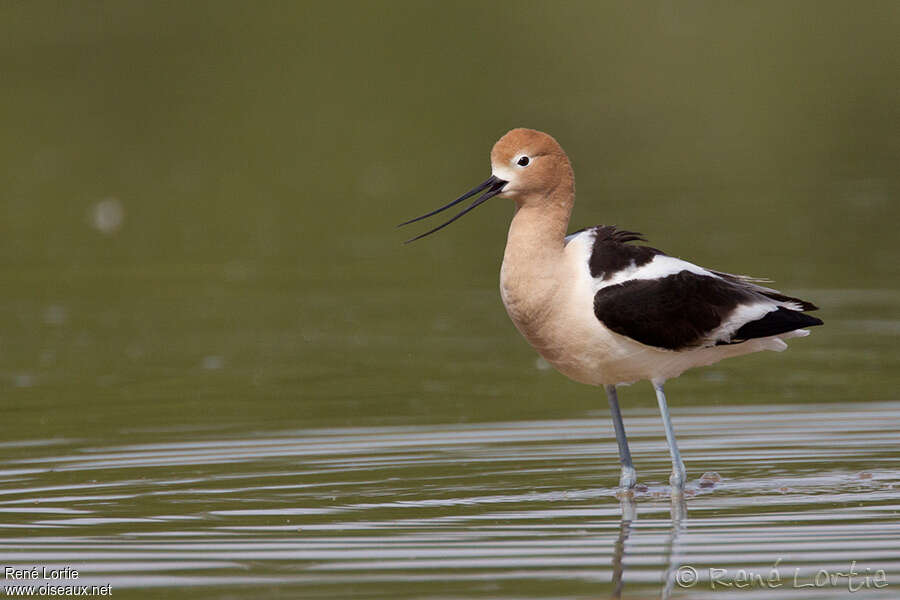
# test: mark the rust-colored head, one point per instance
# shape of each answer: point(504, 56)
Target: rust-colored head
point(527, 166)
point(531, 162)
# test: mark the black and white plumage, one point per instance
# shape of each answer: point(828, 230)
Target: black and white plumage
point(643, 314)
point(676, 305)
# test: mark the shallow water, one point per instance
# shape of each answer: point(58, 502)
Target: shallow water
point(343, 454)
point(504, 509)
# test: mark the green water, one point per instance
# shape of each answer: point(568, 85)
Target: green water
point(221, 369)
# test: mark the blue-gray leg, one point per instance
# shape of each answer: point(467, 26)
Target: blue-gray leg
point(628, 477)
point(678, 474)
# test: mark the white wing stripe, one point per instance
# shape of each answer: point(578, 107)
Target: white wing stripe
point(661, 266)
point(739, 317)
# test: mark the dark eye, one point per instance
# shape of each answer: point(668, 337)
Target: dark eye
point(523, 162)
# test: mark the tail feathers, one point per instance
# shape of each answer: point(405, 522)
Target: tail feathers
point(781, 320)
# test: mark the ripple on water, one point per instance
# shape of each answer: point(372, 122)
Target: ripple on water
point(495, 509)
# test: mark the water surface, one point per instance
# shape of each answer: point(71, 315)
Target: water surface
point(501, 509)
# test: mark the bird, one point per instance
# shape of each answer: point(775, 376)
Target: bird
point(604, 308)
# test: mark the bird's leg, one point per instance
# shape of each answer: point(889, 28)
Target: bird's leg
point(628, 477)
point(678, 474)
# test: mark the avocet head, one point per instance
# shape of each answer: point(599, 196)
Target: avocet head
point(526, 165)
point(530, 162)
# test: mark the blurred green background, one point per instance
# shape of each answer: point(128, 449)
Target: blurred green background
point(199, 198)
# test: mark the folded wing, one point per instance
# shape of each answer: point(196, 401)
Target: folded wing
point(668, 303)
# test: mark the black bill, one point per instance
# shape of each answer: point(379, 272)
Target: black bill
point(493, 185)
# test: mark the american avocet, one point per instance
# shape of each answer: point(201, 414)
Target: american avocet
point(606, 312)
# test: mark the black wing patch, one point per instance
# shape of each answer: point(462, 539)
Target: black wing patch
point(612, 253)
point(680, 311)
point(674, 312)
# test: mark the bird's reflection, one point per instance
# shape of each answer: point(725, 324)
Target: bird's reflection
point(628, 515)
point(673, 547)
